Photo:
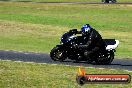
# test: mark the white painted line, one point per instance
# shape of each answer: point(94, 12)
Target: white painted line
point(5, 60)
point(89, 67)
point(18, 61)
point(26, 53)
point(102, 68)
point(6, 50)
point(53, 64)
point(20, 51)
point(29, 62)
point(112, 69)
point(15, 52)
point(127, 70)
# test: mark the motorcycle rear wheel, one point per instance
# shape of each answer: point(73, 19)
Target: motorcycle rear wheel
point(57, 54)
point(105, 60)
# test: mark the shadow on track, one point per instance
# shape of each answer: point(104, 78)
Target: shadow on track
point(44, 58)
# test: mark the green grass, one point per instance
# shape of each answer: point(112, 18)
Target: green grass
point(59, 0)
point(38, 27)
point(33, 75)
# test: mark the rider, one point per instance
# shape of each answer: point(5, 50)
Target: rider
point(93, 39)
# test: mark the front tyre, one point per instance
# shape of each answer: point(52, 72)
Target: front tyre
point(57, 54)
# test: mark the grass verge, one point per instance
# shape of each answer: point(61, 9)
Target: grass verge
point(34, 75)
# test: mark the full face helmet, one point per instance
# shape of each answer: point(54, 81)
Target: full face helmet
point(86, 29)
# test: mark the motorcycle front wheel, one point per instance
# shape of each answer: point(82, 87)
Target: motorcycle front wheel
point(57, 54)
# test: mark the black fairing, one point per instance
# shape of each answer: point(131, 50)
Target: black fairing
point(67, 45)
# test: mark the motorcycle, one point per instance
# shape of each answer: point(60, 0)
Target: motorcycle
point(109, 1)
point(66, 50)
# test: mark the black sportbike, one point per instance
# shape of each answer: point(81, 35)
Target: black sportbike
point(109, 1)
point(66, 50)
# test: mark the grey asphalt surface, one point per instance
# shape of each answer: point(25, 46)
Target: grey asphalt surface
point(45, 58)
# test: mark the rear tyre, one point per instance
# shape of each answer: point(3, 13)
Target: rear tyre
point(105, 60)
point(105, 1)
point(57, 54)
point(113, 1)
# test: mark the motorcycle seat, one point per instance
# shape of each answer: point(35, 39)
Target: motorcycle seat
point(111, 43)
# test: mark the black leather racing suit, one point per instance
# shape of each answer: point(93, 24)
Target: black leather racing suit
point(94, 43)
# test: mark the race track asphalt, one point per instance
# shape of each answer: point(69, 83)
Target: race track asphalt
point(45, 58)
